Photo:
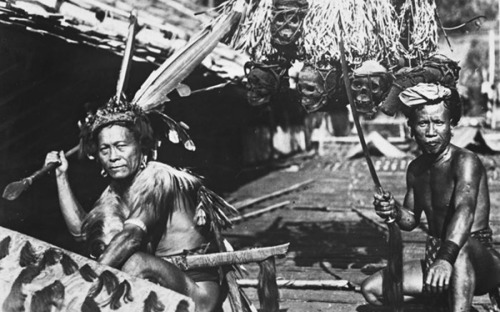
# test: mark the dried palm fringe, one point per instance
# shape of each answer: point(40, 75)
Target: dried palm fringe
point(267, 289)
point(418, 22)
point(254, 33)
point(370, 29)
point(212, 205)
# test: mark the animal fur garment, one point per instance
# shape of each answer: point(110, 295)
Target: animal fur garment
point(156, 193)
point(106, 280)
point(116, 297)
point(123, 290)
point(50, 257)
point(69, 265)
point(27, 255)
point(87, 273)
point(25, 288)
point(4, 247)
point(15, 299)
point(109, 280)
point(52, 295)
point(89, 305)
point(182, 306)
point(153, 304)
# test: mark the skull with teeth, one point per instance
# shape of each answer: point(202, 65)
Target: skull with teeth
point(319, 87)
point(263, 81)
point(370, 84)
point(286, 24)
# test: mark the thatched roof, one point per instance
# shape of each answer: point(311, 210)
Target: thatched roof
point(165, 25)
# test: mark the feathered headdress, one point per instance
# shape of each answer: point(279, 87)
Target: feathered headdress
point(120, 110)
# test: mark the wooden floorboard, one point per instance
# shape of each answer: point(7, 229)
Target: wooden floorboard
point(332, 229)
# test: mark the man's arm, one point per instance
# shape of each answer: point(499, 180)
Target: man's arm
point(468, 171)
point(123, 245)
point(469, 174)
point(71, 209)
point(148, 198)
point(405, 215)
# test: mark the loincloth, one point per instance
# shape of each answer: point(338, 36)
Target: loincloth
point(209, 274)
point(484, 236)
point(432, 245)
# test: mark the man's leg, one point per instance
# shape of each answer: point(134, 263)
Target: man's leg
point(142, 265)
point(476, 266)
point(412, 283)
point(463, 282)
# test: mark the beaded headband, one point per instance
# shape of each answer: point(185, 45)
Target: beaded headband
point(114, 111)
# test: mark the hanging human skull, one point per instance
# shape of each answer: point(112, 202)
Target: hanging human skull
point(286, 24)
point(370, 84)
point(318, 87)
point(263, 81)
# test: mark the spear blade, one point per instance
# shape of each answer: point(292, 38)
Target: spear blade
point(14, 189)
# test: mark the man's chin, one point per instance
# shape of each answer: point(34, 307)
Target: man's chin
point(119, 175)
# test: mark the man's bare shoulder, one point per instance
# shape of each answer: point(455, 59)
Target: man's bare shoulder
point(464, 157)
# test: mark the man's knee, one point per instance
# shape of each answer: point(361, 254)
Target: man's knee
point(207, 298)
point(463, 266)
point(135, 265)
point(372, 291)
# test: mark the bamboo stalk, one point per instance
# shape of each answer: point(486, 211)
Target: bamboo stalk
point(251, 201)
point(260, 211)
point(303, 284)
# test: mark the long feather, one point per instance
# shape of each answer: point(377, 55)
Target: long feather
point(176, 68)
point(127, 56)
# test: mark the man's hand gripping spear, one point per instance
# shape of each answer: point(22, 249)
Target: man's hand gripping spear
point(393, 275)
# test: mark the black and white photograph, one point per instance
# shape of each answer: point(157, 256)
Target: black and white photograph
point(250, 155)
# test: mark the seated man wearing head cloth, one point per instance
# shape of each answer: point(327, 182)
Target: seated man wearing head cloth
point(450, 186)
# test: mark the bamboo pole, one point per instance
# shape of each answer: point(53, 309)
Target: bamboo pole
point(393, 276)
point(303, 284)
point(251, 201)
point(260, 211)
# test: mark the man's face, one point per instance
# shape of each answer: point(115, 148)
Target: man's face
point(119, 153)
point(431, 128)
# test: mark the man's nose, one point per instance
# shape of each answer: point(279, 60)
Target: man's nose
point(431, 130)
point(113, 154)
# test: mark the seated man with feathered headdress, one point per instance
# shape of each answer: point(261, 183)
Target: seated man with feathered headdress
point(149, 212)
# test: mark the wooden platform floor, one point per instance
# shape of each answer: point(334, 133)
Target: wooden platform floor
point(332, 229)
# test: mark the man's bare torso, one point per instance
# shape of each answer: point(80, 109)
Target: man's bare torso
point(434, 183)
point(181, 233)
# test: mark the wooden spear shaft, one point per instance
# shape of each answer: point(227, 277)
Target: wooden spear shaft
point(14, 189)
point(393, 276)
